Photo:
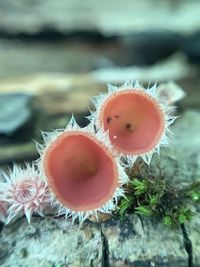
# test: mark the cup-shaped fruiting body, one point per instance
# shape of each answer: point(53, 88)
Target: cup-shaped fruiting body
point(81, 170)
point(136, 120)
point(24, 192)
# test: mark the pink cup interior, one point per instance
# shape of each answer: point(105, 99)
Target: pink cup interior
point(80, 171)
point(134, 120)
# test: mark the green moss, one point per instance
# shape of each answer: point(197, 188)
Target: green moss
point(154, 196)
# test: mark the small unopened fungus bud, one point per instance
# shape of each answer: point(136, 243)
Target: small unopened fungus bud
point(23, 193)
point(136, 120)
point(81, 170)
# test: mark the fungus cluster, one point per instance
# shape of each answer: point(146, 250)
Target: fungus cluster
point(82, 171)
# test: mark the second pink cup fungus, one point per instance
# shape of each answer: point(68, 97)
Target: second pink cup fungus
point(135, 119)
point(82, 172)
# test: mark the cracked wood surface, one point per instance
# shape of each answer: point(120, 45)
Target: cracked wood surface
point(117, 242)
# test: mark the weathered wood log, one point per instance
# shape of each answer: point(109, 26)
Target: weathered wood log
point(130, 241)
point(127, 241)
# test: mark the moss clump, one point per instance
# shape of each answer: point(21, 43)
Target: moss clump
point(154, 196)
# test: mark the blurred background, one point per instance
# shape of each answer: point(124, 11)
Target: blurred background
point(55, 55)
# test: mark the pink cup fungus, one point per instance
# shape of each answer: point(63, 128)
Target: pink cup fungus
point(136, 120)
point(81, 170)
point(24, 192)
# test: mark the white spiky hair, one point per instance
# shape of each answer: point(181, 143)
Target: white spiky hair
point(166, 110)
point(102, 139)
point(13, 185)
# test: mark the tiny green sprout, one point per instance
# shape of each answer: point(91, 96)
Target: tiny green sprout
point(144, 211)
point(195, 195)
point(187, 213)
point(193, 191)
point(153, 200)
point(182, 218)
point(125, 204)
point(140, 186)
point(167, 220)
